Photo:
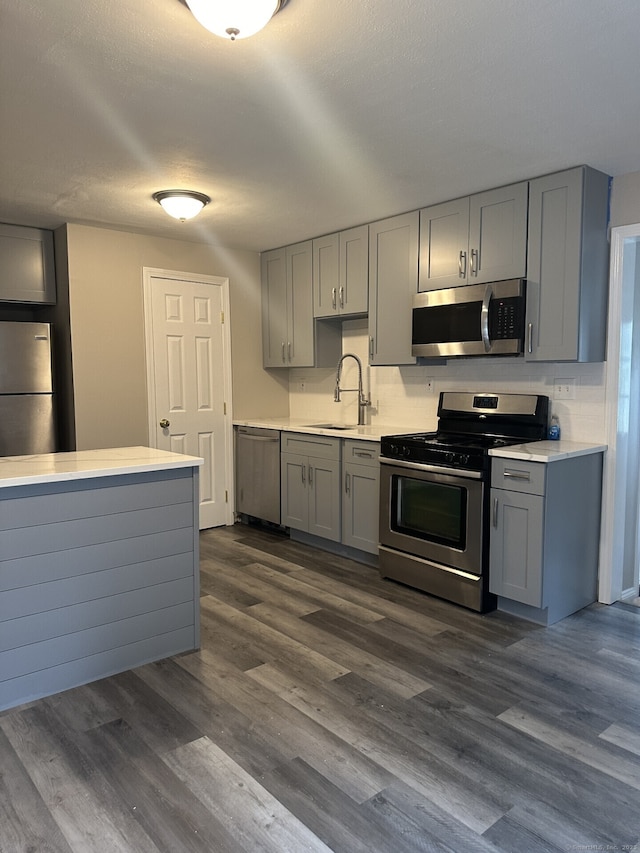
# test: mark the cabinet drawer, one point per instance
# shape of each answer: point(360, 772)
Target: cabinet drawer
point(517, 476)
point(320, 446)
point(361, 452)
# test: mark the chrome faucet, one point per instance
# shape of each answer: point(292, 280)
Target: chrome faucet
point(363, 402)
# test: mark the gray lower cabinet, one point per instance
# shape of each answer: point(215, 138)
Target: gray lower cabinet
point(310, 484)
point(393, 281)
point(567, 267)
point(544, 536)
point(27, 271)
point(476, 239)
point(360, 495)
point(96, 576)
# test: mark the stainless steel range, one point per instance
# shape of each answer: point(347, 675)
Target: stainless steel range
point(434, 493)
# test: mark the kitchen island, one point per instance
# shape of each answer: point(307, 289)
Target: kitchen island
point(98, 566)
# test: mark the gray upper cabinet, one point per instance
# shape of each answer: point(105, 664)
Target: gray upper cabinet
point(340, 273)
point(567, 266)
point(289, 337)
point(274, 308)
point(287, 306)
point(393, 280)
point(27, 270)
point(474, 240)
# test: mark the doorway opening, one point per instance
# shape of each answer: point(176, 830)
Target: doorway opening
point(620, 546)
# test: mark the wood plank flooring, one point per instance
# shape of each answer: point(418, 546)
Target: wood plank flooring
point(329, 710)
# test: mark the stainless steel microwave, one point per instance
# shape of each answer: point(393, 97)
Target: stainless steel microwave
point(476, 319)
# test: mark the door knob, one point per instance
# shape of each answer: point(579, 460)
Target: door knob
point(164, 423)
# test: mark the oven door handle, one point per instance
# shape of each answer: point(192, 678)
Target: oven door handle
point(484, 318)
point(432, 469)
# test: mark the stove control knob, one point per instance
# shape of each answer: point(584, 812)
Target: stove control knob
point(450, 457)
point(464, 459)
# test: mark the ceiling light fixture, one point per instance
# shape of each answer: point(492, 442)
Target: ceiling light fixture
point(182, 204)
point(234, 19)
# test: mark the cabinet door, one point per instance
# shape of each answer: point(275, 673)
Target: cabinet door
point(300, 343)
point(567, 276)
point(498, 234)
point(27, 270)
point(353, 288)
point(516, 546)
point(444, 238)
point(294, 491)
point(324, 498)
point(326, 275)
point(393, 280)
point(274, 308)
point(360, 503)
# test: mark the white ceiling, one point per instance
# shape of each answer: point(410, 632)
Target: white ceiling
point(340, 112)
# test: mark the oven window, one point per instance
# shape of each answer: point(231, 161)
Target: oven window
point(429, 510)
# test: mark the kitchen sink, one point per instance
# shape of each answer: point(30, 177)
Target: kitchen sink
point(330, 426)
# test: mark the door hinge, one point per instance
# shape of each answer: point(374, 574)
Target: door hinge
point(226, 496)
point(225, 409)
point(222, 317)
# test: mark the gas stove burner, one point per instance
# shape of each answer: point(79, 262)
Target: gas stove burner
point(467, 432)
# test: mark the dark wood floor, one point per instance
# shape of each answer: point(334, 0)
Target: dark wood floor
point(330, 710)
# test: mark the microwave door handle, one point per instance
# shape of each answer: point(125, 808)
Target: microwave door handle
point(484, 318)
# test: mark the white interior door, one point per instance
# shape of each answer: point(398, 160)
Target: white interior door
point(189, 380)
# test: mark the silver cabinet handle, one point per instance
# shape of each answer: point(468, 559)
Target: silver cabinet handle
point(333, 297)
point(517, 475)
point(304, 476)
point(342, 297)
point(475, 255)
point(283, 355)
point(462, 264)
point(347, 483)
point(363, 453)
point(310, 475)
point(494, 514)
point(371, 347)
point(530, 337)
point(484, 318)
point(164, 423)
point(289, 349)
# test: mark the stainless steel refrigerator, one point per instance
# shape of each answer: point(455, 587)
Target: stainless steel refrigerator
point(27, 420)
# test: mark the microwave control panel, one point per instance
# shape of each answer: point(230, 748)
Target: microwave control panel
point(506, 320)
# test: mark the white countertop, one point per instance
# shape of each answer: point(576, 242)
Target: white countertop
point(547, 451)
point(365, 433)
point(84, 464)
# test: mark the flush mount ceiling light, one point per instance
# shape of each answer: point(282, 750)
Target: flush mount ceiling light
point(234, 19)
point(182, 204)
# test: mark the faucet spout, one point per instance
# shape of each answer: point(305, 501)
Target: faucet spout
point(363, 402)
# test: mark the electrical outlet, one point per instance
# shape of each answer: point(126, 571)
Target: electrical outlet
point(430, 386)
point(564, 389)
point(302, 385)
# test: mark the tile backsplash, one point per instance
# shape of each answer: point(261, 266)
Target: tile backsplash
point(408, 396)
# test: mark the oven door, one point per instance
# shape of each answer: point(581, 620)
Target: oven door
point(432, 512)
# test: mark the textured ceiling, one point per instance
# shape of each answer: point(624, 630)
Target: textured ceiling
point(339, 112)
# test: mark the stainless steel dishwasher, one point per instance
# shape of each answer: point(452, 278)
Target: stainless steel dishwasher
point(258, 473)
